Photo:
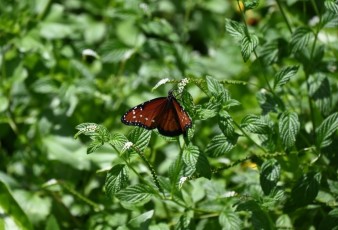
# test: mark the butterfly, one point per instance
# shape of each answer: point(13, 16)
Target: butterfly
point(163, 113)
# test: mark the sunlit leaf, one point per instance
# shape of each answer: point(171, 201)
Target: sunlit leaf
point(300, 38)
point(269, 175)
point(248, 45)
point(288, 128)
point(116, 180)
point(326, 129)
point(219, 146)
point(229, 220)
point(284, 75)
point(136, 194)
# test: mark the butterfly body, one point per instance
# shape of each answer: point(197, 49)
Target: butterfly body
point(163, 113)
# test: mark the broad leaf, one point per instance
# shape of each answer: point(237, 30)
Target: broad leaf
point(142, 221)
point(10, 209)
point(305, 190)
point(196, 160)
point(324, 132)
point(300, 38)
point(254, 124)
point(284, 75)
point(248, 45)
point(269, 175)
point(320, 92)
point(214, 86)
point(225, 123)
point(117, 179)
point(140, 137)
point(229, 220)
point(288, 128)
point(219, 146)
point(234, 28)
point(332, 5)
point(136, 194)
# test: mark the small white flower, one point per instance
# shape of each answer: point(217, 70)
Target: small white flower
point(182, 181)
point(230, 194)
point(127, 146)
point(182, 84)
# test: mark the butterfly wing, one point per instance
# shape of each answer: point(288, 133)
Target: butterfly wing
point(173, 120)
point(145, 115)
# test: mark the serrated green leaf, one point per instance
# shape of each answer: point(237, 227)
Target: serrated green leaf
point(269, 175)
point(12, 210)
point(273, 51)
point(248, 45)
point(288, 128)
point(88, 129)
point(214, 86)
point(176, 170)
point(190, 157)
point(225, 123)
point(196, 161)
point(219, 146)
point(234, 28)
point(118, 140)
point(284, 75)
point(116, 180)
point(320, 92)
point(306, 189)
point(324, 132)
point(300, 38)
point(331, 5)
point(94, 145)
point(229, 220)
point(250, 4)
point(136, 194)
point(329, 20)
point(255, 124)
point(140, 137)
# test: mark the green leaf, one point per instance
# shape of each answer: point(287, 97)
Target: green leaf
point(142, 221)
point(300, 38)
point(320, 92)
point(284, 222)
point(118, 140)
point(116, 180)
point(267, 102)
point(250, 4)
point(234, 28)
point(137, 194)
point(196, 161)
point(214, 86)
point(326, 130)
point(220, 145)
point(248, 45)
point(255, 124)
point(288, 128)
point(259, 219)
point(140, 137)
point(10, 209)
point(284, 75)
point(305, 190)
point(115, 51)
point(269, 175)
point(229, 220)
point(225, 123)
point(331, 5)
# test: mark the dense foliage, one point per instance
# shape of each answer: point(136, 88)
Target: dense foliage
point(258, 79)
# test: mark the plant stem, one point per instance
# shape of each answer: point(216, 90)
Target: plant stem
point(284, 16)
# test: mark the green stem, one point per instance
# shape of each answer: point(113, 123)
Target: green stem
point(284, 15)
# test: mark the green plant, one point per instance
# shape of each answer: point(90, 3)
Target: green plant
point(262, 95)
